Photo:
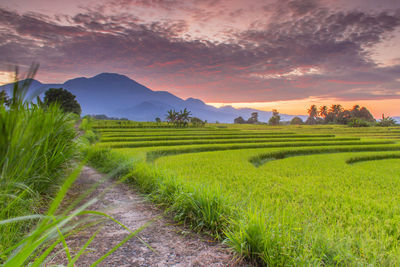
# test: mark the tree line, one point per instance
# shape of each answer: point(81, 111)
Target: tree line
point(274, 120)
point(335, 114)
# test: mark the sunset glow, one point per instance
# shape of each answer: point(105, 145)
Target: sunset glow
point(299, 107)
point(265, 54)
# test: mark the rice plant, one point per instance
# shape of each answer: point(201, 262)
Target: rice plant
point(309, 205)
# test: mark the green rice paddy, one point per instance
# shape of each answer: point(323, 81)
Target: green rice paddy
point(287, 195)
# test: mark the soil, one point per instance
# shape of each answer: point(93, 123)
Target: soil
point(171, 244)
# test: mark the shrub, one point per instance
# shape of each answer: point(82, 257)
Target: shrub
point(355, 122)
point(386, 121)
point(296, 121)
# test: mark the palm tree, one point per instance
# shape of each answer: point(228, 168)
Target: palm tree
point(184, 117)
point(336, 109)
point(313, 111)
point(171, 116)
point(323, 111)
point(356, 107)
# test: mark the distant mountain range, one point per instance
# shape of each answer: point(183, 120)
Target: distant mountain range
point(116, 95)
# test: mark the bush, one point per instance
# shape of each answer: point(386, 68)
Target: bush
point(386, 122)
point(355, 122)
point(90, 136)
point(86, 123)
point(296, 121)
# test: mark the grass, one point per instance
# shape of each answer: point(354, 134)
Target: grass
point(131, 144)
point(310, 207)
point(37, 146)
point(372, 157)
point(203, 137)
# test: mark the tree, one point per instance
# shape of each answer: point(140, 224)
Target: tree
point(64, 98)
point(296, 121)
point(386, 121)
point(197, 122)
point(4, 99)
point(336, 109)
point(312, 111)
point(344, 117)
point(355, 111)
point(253, 118)
point(323, 112)
point(239, 120)
point(180, 119)
point(312, 115)
point(365, 115)
point(183, 117)
point(158, 120)
point(311, 121)
point(171, 116)
point(274, 120)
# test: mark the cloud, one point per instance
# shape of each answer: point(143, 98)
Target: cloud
point(310, 51)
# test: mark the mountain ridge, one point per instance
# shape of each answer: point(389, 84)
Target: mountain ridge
point(117, 95)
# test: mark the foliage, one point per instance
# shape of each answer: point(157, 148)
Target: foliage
point(337, 115)
point(158, 120)
point(323, 112)
point(196, 122)
point(179, 119)
point(4, 99)
point(86, 123)
point(296, 121)
point(274, 120)
point(90, 136)
point(356, 122)
point(312, 111)
point(239, 120)
point(386, 121)
point(311, 121)
point(254, 118)
point(64, 98)
point(36, 145)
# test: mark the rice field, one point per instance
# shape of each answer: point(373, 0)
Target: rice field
point(287, 195)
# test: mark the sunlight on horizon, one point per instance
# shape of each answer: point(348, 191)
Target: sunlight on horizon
point(389, 107)
point(6, 77)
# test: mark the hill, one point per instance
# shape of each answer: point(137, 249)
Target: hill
point(117, 95)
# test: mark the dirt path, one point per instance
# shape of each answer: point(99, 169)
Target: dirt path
point(174, 245)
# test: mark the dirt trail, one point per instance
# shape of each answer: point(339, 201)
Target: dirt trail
point(174, 245)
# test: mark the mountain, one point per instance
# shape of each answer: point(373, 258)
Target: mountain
point(116, 95)
point(397, 119)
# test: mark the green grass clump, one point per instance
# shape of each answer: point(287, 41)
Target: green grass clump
point(35, 148)
point(372, 157)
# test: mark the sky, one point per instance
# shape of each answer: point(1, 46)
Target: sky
point(284, 54)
